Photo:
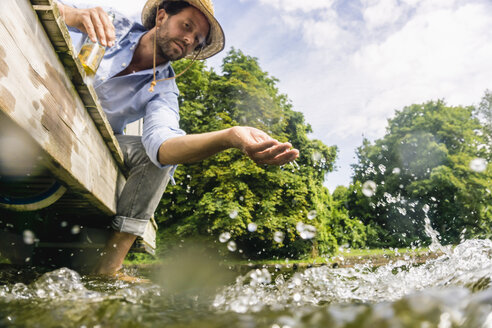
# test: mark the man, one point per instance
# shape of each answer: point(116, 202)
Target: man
point(138, 59)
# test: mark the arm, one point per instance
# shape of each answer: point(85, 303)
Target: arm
point(95, 22)
point(256, 144)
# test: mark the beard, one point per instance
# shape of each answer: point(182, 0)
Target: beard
point(166, 47)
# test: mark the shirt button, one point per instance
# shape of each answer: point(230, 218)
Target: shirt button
point(123, 65)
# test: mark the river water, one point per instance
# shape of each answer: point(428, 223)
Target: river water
point(452, 290)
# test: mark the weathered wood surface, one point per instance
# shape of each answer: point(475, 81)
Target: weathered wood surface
point(60, 39)
point(37, 95)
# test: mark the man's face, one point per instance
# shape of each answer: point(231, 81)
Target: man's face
point(180, 34)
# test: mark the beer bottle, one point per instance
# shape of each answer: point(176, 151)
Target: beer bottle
point(91, 53)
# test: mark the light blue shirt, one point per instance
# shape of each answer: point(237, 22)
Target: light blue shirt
point(127, 98)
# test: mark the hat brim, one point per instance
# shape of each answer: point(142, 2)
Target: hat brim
point(216, 39)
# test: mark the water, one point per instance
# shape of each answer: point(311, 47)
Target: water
point(452, 290)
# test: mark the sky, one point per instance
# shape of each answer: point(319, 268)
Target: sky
point(347, 65)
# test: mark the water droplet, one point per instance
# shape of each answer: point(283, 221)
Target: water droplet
point(308, 232)
point(233, 214)
point(259, 276)
point(312, 214)
point(316, 156)
point(75, 230)
point(369, 188)
point(478, 165)
point(231, 246)
point(225, 236)
point(300, 226)
point(28, 237)
point(252, 227)
point(278, 236)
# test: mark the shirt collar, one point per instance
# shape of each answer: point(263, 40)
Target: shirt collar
point(134, 38)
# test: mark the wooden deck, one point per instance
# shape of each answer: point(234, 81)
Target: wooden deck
point(43, 95)
point(52, 127)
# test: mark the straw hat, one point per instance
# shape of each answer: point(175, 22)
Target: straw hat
point(216, 39)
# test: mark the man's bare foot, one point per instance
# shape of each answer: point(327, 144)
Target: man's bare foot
point(114, 253)
point(127, 278)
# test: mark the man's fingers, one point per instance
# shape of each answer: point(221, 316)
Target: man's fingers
point(95, 22)
point(261, 146)
point(273, 151)
point(108, 29)
point(284, 158)
point(276, 155)
point(86, 24)
point(97, 16)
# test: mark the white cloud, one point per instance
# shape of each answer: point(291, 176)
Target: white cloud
point(435, 55)
point(131, 8)
point(379, 13)
point(296, 5)
point(353, 74)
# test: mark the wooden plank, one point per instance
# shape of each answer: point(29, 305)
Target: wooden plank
point(59, 36)
point(37, 96)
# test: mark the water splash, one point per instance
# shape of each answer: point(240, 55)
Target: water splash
point(452, 290)
point(278, 236)
point(231, 246)
point(62, 284)
point(369, 188)
point(312, 215)
point(478, 165)
point(433, 234)
point(464, 266)
point(252, 227)
point(225, 236)
point(233, 214)
point(306, 231)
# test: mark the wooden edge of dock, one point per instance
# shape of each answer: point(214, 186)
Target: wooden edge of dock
point(49, 16)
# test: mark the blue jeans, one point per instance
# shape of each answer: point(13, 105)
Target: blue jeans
point(143, 189)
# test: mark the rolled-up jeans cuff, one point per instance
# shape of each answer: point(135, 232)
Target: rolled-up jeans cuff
point(129, 225)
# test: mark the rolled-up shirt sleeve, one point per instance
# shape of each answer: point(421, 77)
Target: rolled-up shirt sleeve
point(161, 122)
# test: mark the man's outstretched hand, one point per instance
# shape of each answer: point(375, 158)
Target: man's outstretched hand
point(262, 148)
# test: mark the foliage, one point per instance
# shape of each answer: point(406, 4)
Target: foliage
point(428, 163)
point(484, 113)
point(228, 191)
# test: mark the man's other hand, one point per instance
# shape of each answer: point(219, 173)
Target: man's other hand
point(262, 148)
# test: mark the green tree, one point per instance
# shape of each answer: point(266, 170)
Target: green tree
point(484, 114)
point(228, 192)
point(432, 159)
